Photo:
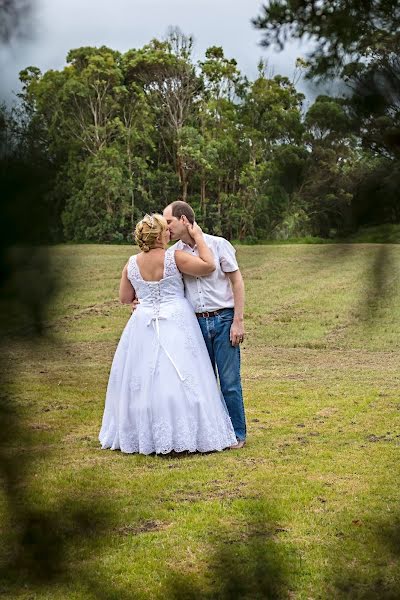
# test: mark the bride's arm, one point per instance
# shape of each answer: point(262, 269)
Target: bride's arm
point(126, 290)
point(197, 266)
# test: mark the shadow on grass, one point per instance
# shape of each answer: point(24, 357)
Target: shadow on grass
point(245, 561)
point(380, 577)
point(36, 539)
point(31, 540)
point(382, 278)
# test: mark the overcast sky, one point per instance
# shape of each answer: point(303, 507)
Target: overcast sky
point(60, 25)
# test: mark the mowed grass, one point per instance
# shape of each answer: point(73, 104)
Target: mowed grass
point(309, 509)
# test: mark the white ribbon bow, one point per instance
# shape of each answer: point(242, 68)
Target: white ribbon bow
point(155, 321)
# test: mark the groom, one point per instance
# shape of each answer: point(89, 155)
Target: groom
point(218, 301)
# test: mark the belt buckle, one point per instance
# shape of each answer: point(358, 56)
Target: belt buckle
point(206, 314)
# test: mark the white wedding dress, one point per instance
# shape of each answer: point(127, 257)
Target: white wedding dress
point(162, 393)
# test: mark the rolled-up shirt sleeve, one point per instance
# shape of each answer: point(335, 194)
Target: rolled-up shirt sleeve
point(227, 256)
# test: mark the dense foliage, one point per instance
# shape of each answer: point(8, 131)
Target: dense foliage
point(117, 135)
point(358, 43)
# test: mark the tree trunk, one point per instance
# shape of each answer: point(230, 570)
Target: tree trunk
point(184, 190)
point(182, 178)
point(203, 196)
point(132, 206)
point(128, 152)
point(219, 206)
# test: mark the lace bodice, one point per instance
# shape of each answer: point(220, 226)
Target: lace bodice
point(155, 293)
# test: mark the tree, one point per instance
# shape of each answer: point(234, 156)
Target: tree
point(167, 75)
point(341, 31)
point(97, 127)
point(272, 126)
point(221, 132)
point(98, 210)
point(358, 41)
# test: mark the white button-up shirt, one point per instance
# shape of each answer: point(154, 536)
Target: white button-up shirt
point(214, 291)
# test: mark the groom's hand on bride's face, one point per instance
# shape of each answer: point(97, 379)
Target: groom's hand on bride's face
point(134, 304)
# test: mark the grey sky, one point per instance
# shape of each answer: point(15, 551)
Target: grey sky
point(60, 25)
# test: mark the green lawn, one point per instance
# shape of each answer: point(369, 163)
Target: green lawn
point(309, 509)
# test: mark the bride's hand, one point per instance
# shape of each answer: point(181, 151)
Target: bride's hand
point(193, 230)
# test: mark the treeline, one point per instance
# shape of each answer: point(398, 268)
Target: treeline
point(112, 136)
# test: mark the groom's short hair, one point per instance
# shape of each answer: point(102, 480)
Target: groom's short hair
point(179, 208)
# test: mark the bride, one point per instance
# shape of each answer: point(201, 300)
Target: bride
point(162, 394)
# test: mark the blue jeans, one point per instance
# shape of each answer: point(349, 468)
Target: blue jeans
point(225, 358)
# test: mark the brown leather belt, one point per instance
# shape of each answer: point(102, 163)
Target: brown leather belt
point(208, 313)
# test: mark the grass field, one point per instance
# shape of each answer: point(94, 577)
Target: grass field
point(309, 509)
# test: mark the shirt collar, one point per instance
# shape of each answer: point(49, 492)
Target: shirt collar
point(184, 245)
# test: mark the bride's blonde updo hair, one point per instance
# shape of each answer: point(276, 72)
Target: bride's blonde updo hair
point(148, 230)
